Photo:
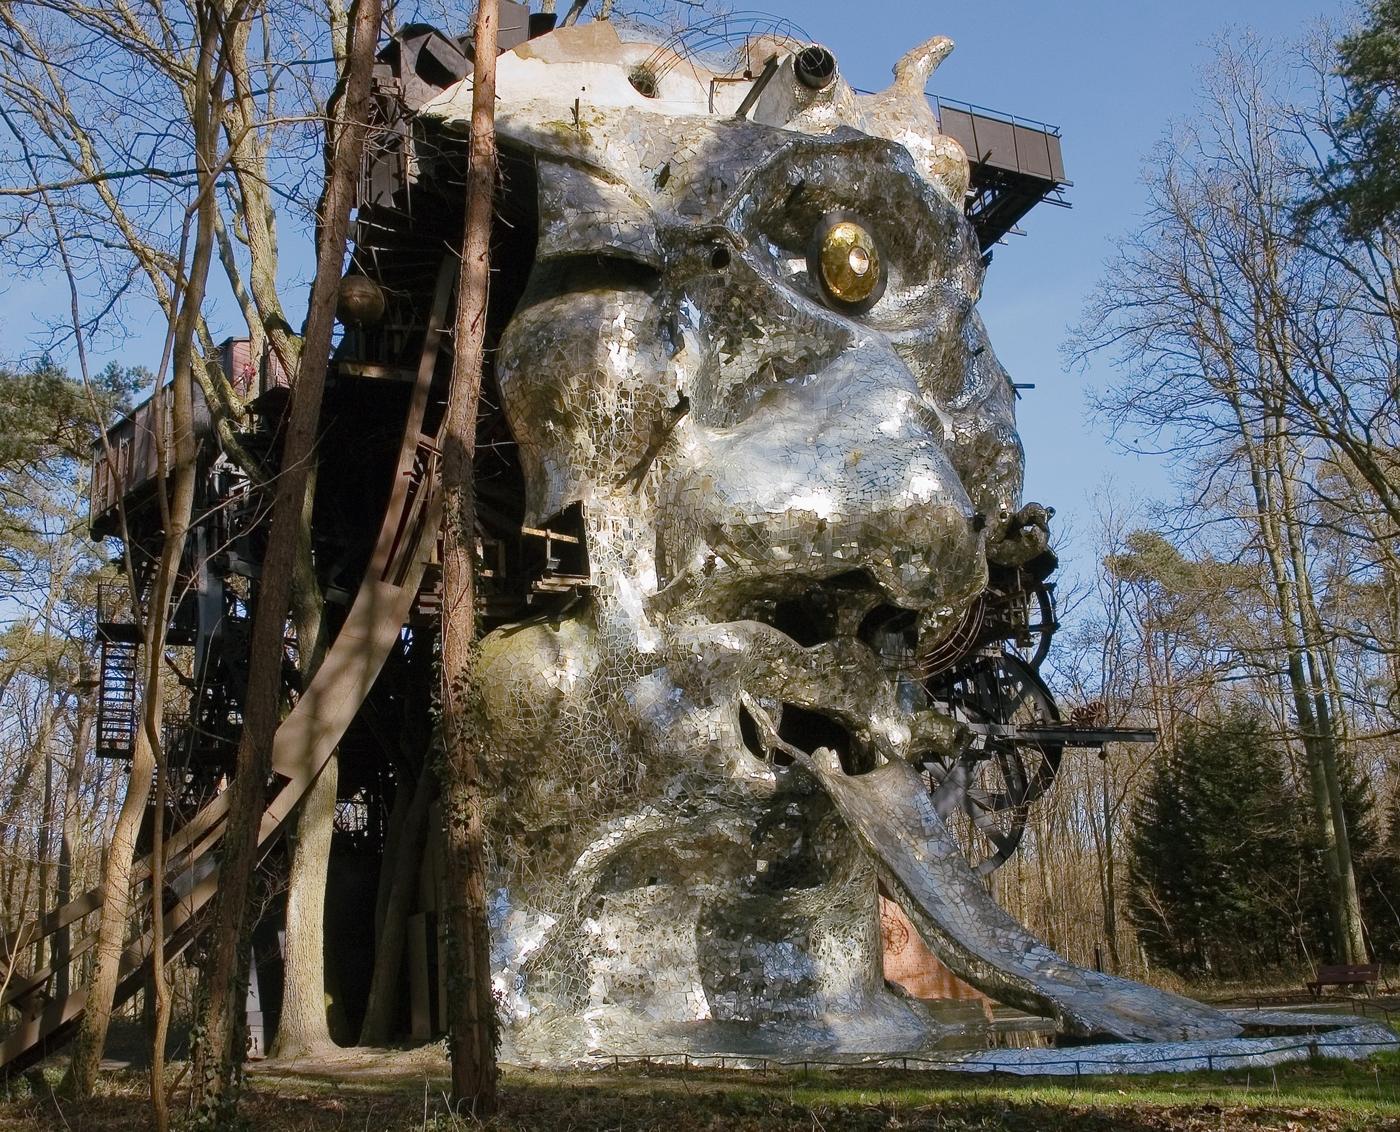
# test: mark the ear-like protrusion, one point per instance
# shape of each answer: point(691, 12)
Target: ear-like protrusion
point(912, 73)
point(901, 113)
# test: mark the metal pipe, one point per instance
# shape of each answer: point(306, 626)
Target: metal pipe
point(815, 67)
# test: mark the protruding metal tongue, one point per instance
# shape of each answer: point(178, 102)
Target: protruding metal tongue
point(921, 866)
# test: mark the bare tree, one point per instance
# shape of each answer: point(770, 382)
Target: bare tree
point(1201, 308)
point(176, 472)
point(218, 1062)
point(471, 1009)
point(101, 94)
point(49, 571)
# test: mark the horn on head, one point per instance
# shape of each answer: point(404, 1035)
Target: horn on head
point(913, 71)
point(902, 114)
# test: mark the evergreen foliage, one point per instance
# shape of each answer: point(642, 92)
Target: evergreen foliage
point(48, 425)
point(1381, 878)
point(1377, 873)
point(1214, 853)
point(1361, 184)
point(1377, 863)
point(1226, 872)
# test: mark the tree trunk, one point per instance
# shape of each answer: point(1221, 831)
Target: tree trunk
point(384, 986)
point(1352, 944)
point(72, 831)
point(111, 932)
point(42, 849)
point(1047, 882)
point(116, 877)
point(1108, 873)
point(470, 1007)
point(219, 1057)
point(159, 987)
point(303, 1030)
point(1286, 594)
point(388, 861)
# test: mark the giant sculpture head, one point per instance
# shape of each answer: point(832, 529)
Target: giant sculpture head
point(749, 365)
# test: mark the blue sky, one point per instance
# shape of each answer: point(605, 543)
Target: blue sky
point(1111, 76)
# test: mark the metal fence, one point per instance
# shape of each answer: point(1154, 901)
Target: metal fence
point(1083, 1065)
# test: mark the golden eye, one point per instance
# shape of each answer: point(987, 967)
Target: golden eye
point(846, 262)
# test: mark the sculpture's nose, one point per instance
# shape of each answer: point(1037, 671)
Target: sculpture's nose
point(844, 471)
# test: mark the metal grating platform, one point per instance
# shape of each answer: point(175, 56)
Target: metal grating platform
point(1016, 163)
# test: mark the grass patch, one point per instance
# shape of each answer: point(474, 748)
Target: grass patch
point(373, 1093)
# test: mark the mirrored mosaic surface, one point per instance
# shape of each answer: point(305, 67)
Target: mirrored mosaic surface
point(749, 366)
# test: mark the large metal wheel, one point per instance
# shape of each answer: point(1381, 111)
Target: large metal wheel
point(984, 792)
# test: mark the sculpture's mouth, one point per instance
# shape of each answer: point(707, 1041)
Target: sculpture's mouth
point(824, 665)
point(774, 735)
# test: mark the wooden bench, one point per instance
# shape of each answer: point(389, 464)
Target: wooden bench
point(1346, 975)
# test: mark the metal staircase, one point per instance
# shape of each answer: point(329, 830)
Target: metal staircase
point(119, 643)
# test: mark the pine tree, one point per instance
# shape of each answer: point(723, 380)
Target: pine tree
point(1381, 886)
point(1213, 851)
point(1361, 184)
point(1377, 869)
